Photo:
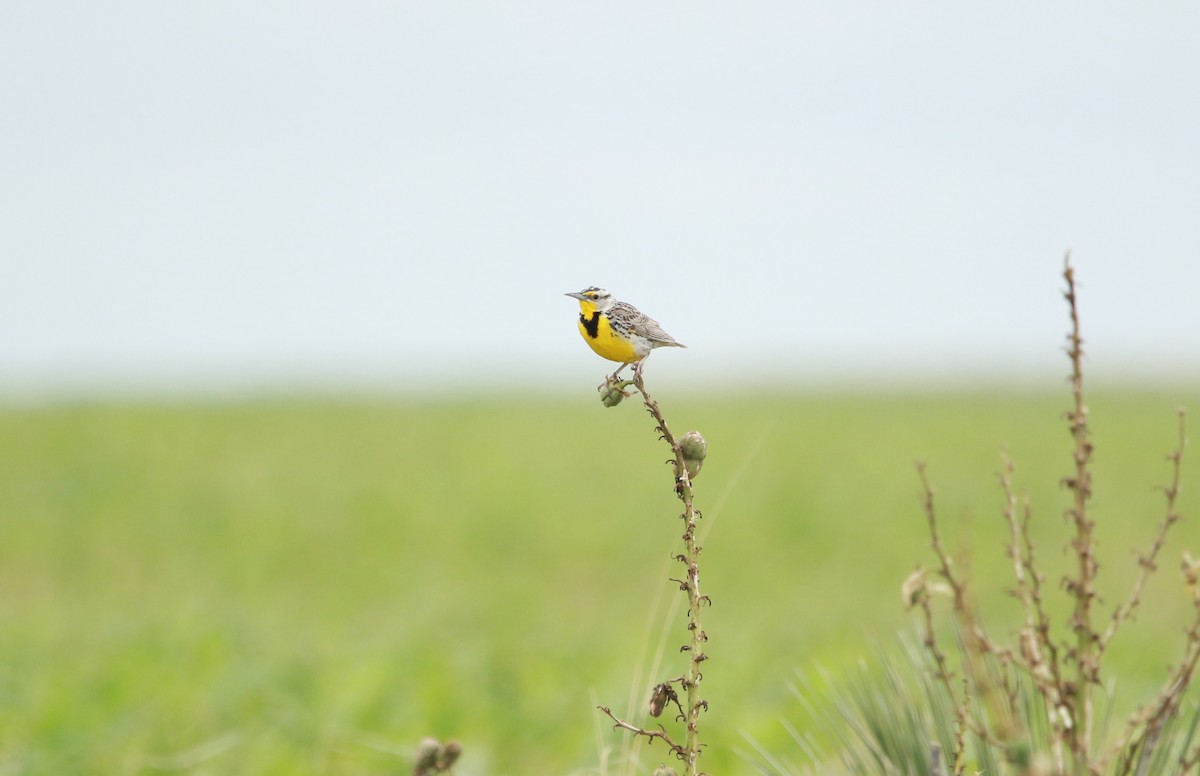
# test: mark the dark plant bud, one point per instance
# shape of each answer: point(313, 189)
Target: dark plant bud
point(913, 589)
point(658, 701)
point(427, 756)
point(694, 449)
point(1191, 575)
point(449, 755)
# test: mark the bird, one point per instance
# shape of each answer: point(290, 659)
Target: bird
point(617, 330)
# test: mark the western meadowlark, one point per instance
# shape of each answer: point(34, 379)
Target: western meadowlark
point(619, 331)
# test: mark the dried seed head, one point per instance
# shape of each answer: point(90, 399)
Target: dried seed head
point(913, 588)
point(613, 391)
point(449, 755)
point(612, 397)
point(1191, 575)
point(427, 756)
point(694, 449)
point(658, 700)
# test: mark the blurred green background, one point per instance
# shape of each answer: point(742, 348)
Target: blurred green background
point(276, 203)
point(312, 586)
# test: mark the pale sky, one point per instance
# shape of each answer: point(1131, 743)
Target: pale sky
point(217, 193)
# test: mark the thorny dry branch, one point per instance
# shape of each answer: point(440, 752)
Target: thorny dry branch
point(1042, 658)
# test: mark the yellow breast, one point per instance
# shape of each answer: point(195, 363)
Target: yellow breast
point(601, 337)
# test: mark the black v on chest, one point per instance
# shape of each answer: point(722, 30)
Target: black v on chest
point(591, 325)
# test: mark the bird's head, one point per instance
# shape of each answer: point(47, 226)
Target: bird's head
point(592, 299)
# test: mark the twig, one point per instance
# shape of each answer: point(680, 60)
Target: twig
point(1144, 727)
point(1037, 653)
point(1147, 562)
point(1082, 587)
point(944, 674)
point(620, 724)
point(978, 645)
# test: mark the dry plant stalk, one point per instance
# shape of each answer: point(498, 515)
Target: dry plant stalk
point(688, 453)
point(1082, 588)
point(1065, 669)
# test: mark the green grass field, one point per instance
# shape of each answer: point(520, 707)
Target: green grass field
point(289, 587)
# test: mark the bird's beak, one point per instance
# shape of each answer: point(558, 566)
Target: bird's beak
point(575, 294)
